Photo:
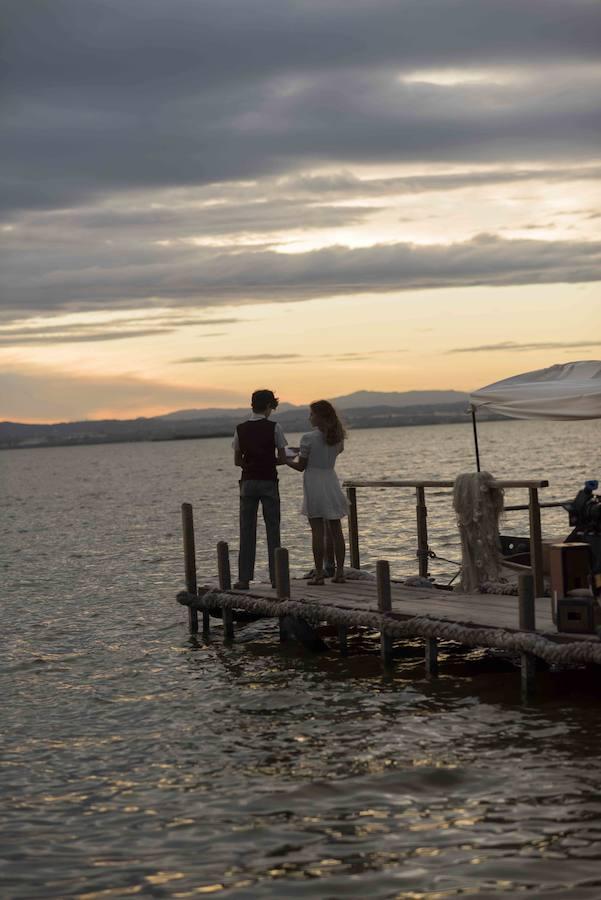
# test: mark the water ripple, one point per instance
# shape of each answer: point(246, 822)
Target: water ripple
point(139, 761)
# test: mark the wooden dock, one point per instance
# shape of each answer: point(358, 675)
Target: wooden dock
point(521, 626)
point(361, 596)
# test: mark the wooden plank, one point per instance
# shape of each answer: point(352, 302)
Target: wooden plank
point(504, 619)
point(366, 595)
point(405, 599)
point(478, 609)
point(467, 611)
point(471, 617)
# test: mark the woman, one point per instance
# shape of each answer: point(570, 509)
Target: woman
point(324, 503)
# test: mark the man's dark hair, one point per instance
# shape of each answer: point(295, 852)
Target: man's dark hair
point(260, 400)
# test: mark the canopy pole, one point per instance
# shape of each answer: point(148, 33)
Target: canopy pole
point(473, 409)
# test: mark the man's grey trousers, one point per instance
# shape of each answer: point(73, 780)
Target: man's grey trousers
point(253, 492)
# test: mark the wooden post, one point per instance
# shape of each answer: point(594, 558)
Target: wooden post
point(383, 585)
point(353, 527)
point(223, 566)
point(422, 531)
point(384, 606)
point(536, 544)
point(282, 573)
point(190, 562)
point(282, 581)
point(526, 601)
point(475, 429)
point(527, 622)
point(431, 657)
point(225, 584)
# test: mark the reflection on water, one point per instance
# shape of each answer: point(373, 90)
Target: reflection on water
point(140, 761)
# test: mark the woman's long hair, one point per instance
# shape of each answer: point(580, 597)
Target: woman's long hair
point(328, 422)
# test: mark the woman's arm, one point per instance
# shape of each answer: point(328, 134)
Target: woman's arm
point(299, 464)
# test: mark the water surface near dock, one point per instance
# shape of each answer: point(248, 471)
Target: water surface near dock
point(137, 760)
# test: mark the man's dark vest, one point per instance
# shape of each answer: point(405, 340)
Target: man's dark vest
point(257, 445)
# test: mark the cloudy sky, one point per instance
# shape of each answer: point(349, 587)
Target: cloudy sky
point(200, 197)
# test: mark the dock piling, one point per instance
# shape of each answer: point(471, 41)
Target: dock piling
point(421, 511)
point(431, 657)
point(384, 606)
point(343, 640)
point(527, 622)
point(353, 528)
point(225, 584)
point(190, 562)
point(282, 582)
point(526, 602)
point(536, 542)
point(282, 573)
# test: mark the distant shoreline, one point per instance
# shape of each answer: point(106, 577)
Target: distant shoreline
point(393, 422)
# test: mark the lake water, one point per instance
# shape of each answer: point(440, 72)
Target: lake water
point(140, 761)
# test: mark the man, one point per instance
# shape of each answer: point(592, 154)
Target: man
point(259, 446)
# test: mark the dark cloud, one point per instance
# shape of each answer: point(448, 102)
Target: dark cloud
point(119, 330)
point(346, 184)
point(151, 222)
point(103, 96)
point(115, 334)
point(260, 207)
point(202, 276)
point(133, 129)
point(514, 346)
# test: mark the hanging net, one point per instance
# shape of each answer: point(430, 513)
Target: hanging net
point(478, 505)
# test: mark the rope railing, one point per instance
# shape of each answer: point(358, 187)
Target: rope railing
point(552, 651)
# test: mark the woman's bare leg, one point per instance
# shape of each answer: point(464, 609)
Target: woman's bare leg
point(329, 558)
point(317, 536)
point(339, 546)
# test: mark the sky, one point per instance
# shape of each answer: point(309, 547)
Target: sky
point(203, 197)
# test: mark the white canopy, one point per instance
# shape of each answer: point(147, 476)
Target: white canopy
point(565, 391)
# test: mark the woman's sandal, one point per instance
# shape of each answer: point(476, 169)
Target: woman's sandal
point(316, 579)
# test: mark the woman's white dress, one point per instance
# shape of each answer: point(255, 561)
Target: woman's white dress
point(323, 498)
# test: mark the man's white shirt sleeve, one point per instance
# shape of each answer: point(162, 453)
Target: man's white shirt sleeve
point(280, 440)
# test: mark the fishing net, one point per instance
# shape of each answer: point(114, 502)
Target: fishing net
point(478, 505)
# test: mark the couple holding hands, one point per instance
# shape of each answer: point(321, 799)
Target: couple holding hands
point(259, 447)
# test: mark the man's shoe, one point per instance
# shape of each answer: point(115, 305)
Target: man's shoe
point(241, 585)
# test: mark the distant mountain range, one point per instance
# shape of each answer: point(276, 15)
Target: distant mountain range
point(358, 400)
point(362, 409)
